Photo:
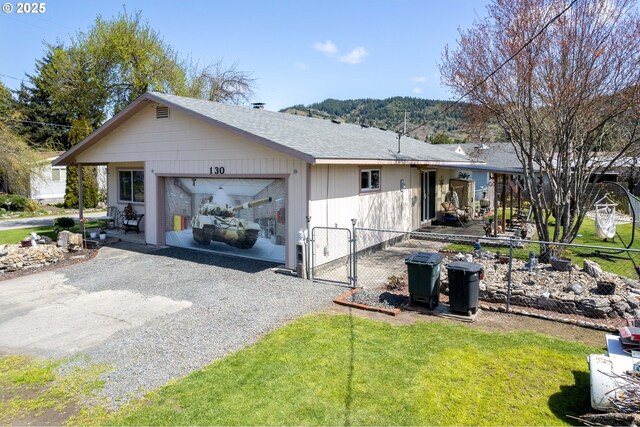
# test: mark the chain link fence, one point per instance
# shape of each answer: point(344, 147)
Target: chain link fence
point(331, 254)
point(581, 284)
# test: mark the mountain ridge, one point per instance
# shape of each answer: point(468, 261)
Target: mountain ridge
point(427, 119)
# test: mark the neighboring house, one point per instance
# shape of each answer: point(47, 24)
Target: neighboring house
point(244, 181)
point(48, 182)
point(496, 159)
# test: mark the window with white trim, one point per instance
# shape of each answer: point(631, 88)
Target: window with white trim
point(58, 174)
point(131, 186)
point(369, 179)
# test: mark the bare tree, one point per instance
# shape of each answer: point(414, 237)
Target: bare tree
point(215, 83)
point(562, 81)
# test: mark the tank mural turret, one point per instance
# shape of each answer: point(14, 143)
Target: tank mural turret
point(218, 222)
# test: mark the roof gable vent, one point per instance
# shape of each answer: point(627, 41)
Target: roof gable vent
point(162, 112)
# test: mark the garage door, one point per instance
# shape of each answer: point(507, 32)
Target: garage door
point(243, 217)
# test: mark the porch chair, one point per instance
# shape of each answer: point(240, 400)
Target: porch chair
point(111, 218)
point(132, 224)
point(453, 214)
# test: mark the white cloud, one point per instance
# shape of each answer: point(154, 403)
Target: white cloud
point(328, 48)
point(420, 79)
point(301, 66)
point(355, 56)
point(417, 90)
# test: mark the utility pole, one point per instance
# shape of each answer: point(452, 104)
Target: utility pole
point(404, 130)
point(405, 123)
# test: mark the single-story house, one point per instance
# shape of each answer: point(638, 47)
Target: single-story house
point(48, 182)
point(242, 180)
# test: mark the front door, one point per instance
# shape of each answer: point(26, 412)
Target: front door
point(428, 195)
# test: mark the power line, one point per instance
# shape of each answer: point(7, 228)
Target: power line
point(11, 77)
point(44, 123)
point(535, 36)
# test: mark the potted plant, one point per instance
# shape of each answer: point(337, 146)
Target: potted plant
point(103, 234)
point(560, 260)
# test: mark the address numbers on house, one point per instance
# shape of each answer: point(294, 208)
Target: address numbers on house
point(216, 170)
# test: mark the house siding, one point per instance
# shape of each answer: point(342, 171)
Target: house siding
point(335, 199)
point(186, 146)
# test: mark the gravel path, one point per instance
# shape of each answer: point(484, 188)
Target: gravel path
point(377, 298)
point(234, 302)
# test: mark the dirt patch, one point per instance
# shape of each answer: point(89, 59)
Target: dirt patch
point(49, 416)
point(45, 417)
point(492, 322)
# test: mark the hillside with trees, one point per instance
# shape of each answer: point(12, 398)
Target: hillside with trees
point(438, 126)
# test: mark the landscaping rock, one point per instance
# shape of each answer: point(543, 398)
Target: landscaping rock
point(574, 292)
point(592, 268)
point(576, 288)
point(18, 257)
point(633, 302)
point(621, 307)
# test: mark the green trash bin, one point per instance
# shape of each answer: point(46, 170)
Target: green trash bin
point(464, 282)
point(423, 271)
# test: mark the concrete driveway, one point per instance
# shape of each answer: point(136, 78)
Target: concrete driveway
point(151, 314)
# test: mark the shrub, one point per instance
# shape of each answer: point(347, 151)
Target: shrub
point(65, 222)
point(32, 205)
point(13, 202)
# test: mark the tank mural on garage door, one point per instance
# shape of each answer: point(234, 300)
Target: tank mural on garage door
point(218, 222)
point(244, 217)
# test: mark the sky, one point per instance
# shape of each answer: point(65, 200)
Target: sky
point(299, 51)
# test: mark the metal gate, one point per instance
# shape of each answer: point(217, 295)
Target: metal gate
point(331, 255)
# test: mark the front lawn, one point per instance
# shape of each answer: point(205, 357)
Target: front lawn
point(14, 236)
point(342, 370)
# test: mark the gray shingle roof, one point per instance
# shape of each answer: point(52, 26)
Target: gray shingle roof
point(497, 156)
point(317, 138)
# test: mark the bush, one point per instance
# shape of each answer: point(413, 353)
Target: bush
point(65, 222)
point(32, 205)
point(15, 203)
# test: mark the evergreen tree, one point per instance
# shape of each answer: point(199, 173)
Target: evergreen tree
point(38, 120)
point(80, 130)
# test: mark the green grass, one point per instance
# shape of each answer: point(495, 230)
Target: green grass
point(622, 264)
point(31, 387)
point(341, 370)
point(15, 236)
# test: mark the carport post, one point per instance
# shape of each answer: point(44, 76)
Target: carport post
point(307, 249)
point(80, 202)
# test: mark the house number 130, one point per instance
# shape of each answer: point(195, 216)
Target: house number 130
point(218, 170)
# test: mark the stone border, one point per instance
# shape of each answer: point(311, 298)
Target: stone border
point(439, 311)
point(520, 312)
point(341, 300)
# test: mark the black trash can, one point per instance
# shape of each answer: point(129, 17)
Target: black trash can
point(423, 270)
point(464, 283)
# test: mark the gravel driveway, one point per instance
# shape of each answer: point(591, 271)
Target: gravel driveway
point(164, 312)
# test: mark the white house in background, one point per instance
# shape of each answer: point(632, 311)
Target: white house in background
point(244, 181)
point(48, 182)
